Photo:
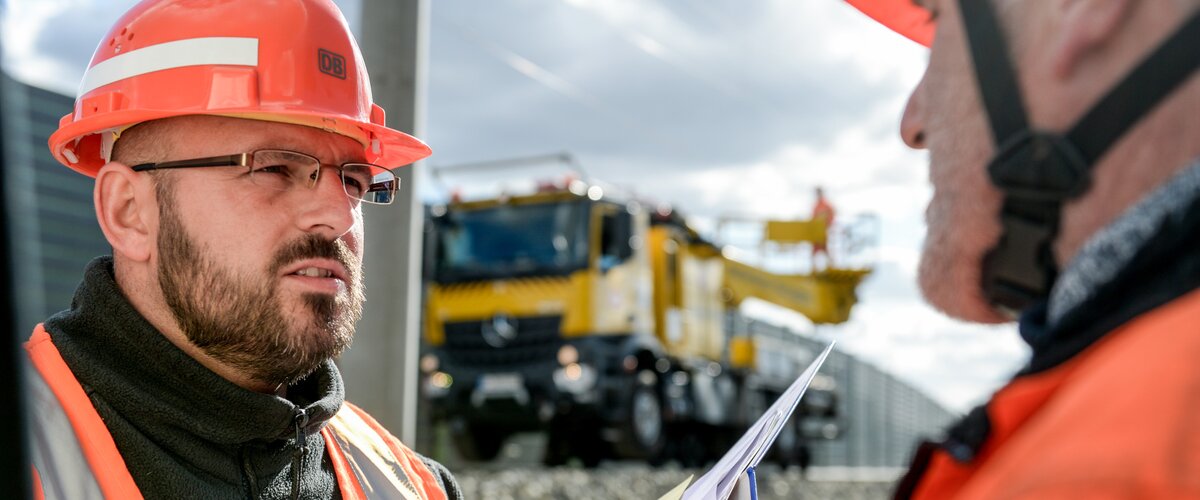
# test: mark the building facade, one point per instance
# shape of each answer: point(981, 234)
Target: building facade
point(51, 224)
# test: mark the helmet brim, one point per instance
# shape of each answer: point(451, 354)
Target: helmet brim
point(902, 16)
point(77, 145)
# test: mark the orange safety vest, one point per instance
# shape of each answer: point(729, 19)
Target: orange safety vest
point(365, 456)
point(1120, 420)
point(823, 211)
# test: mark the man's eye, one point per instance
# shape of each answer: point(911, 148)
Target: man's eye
point(353, 185)
point(271, 169)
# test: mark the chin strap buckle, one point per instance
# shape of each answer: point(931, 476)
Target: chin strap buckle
point(1037, 167)
point(1008, 280)
point(1037, 171)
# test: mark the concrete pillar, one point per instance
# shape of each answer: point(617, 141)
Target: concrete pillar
point(380, 369)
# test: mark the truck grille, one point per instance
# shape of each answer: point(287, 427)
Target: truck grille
point(476, 344)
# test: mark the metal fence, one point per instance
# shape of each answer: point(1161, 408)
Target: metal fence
point(880, 418)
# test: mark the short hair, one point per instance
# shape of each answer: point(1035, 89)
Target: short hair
point(142, 143)
point(148, 142)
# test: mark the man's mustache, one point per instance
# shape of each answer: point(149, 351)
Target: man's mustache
point(316, 247)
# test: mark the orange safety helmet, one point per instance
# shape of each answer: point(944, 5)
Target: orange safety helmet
point(289, 61)
point(902, 16)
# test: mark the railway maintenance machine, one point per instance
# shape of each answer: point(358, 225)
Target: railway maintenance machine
point(613, 328)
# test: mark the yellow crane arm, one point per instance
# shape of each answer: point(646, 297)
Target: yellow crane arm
point(825, 297)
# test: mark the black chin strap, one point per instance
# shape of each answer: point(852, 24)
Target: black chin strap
point(1037, 170)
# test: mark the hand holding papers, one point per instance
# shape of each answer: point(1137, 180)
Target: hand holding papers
point(720, 481)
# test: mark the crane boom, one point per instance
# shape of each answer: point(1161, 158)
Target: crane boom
point(823, 296)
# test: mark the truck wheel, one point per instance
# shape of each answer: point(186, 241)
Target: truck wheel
point(591, 452)
point(805, 459)
point(693, 453)
point(791, 447)
point(558, 446)
point(784, 449)
point(476, 442)
point(574, 439)
point(643, 431)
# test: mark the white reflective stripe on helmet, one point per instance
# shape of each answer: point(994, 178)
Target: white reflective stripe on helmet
point(192, 52)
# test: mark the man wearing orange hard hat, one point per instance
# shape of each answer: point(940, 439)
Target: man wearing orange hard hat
point(1064, 146)
point(232, 145)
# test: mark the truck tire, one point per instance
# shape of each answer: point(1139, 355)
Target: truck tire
point(643, 428)
point(791, 448)
point(476, 442)
point(565, 440)
point(558, 446)
point(785, 444)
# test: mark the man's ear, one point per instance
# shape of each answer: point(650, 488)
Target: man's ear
point(127, 208)
point(1085, 26)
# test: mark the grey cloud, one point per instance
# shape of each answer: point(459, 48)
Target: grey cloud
point(71, 36)
point(653, 114)
point(736, 101)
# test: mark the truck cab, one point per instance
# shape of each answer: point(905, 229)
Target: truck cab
point(532, 304)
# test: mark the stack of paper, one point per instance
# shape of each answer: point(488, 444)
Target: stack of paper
point(739, 462)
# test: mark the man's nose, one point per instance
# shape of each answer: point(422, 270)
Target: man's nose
point(912, 124)
point(325, 208)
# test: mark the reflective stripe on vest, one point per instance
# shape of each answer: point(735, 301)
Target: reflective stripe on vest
point(54, 447)
point(75, 457)
point(377, 459)
point(60, 469)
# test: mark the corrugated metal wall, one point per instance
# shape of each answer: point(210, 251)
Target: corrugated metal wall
point(882, 418)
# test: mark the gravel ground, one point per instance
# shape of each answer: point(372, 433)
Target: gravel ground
point(518, 475)
point(630, 481)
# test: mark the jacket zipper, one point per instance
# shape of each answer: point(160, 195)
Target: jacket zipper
point(299, 420)
point(248, 470)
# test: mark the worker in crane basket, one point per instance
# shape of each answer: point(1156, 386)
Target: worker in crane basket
point(1064, 145)
point(824, 214)
point(232, 145)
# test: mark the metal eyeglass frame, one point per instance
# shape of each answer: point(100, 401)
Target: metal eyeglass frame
point(247, 160)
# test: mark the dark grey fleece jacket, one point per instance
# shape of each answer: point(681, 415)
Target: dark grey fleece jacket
point(184, 431)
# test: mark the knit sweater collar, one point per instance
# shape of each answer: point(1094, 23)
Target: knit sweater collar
point(1110, 251)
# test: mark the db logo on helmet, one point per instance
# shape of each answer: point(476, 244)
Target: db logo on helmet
point(332, 64)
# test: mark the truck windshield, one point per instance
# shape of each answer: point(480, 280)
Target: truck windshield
point(511, 241)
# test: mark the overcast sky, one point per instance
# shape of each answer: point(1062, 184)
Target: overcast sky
point(718, 107)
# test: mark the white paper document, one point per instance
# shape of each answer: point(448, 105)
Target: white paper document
point(719, 482)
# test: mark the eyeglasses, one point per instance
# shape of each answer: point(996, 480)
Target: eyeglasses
point(280, 170)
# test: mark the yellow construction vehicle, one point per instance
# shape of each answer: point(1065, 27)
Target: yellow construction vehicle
point(610, 326)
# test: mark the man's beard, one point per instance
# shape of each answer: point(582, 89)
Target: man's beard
point(243, 322)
